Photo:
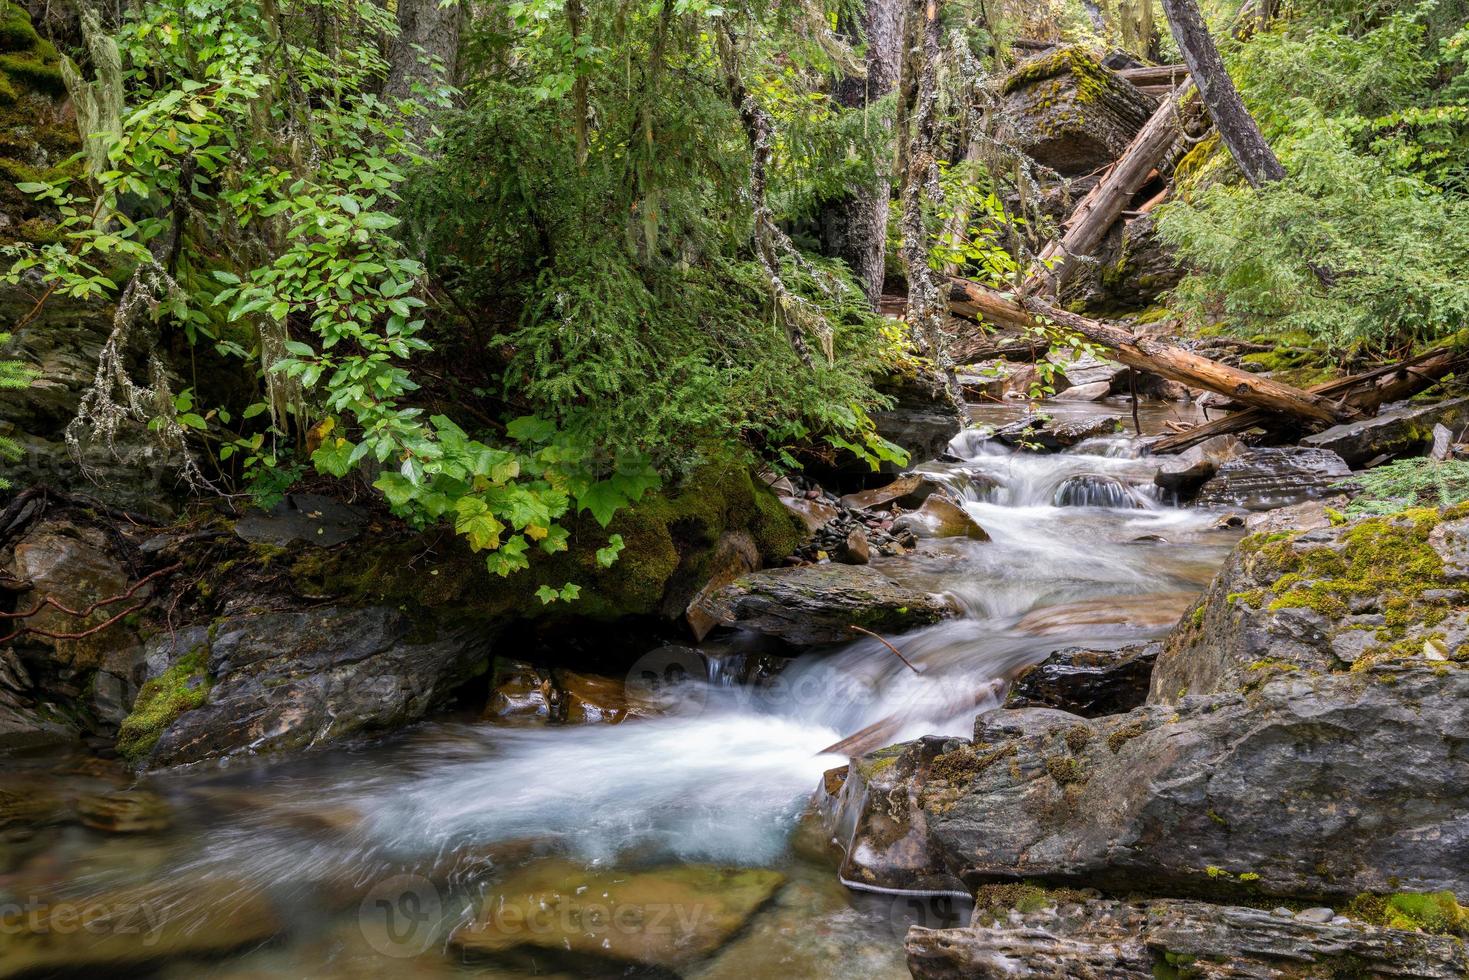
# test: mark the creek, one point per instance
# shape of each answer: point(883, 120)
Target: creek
point(356, 848)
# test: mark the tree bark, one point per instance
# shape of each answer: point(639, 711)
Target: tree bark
point(1084, 230)
point(424, 56)
point(854, 227)
point(1237, 128)
point(1165, 360)
point(1366, 392)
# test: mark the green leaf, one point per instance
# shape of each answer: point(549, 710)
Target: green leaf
point(607, 556)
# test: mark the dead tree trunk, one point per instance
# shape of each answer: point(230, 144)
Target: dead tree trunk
point(1084, 230)
point(926, 307)
point(424, 56)
point(1145, 354)
point(1236, 126)
point(854, 227)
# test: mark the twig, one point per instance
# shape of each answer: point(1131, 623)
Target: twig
point(896, 652)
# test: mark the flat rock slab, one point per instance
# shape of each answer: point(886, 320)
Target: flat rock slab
point(817, 604)
point(1146, 940)
point(307, 517)
point(664, 918)
point(1264, 479)
point(1402, 432)
point(1087, 682)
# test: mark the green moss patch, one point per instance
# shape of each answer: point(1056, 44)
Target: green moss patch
point(183, 687)
point(1433, 912)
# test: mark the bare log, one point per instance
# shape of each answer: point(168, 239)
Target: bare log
point(1163, 359)
point(1105, 202)
point(1365, 392)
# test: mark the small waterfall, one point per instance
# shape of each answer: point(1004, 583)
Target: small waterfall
point(1092, 490)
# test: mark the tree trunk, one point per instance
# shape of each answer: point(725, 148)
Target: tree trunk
point(1236, 126)
point(1366, 392)
point(424, 56)
point(1164, 360)
point(854, 228)
point(1084, 230)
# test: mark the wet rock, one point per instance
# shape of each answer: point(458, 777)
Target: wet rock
point(813, 513)
point(290, 680)
point(1071, 114)
point(1041, 433)
point(1325, 785)
point(815, 604)
point(581, 699)
point(133, 811)
point(857, 550)
point(1308, 515)
point(908, 490)
point(735, 554)
point(1145, 940)
point(1091, 490)
point(996, 379)
point(1263, 479)
point(1185, 472)
point(1085, 682)
point(24, 721)
point(1406, 431)
point(70, 564)
point(104, 932)
point(520, 693)
point(1083, 370)
point(664, 918)
point(940, 517)
point(307, 517)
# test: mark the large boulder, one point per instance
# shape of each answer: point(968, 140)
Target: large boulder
point(1166, 938)
point(1071, 114)
point(1308, 786)
point(1406, 431)
point(288, 680)
point(1133, 268)
point(921, 420)
point(1262, 479)
point(817, 604)
point(1335, 598)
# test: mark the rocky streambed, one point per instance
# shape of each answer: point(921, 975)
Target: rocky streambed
point(1073, 749)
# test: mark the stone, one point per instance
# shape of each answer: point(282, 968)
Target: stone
point(1071, 114)
point(1318, 786)
point(1093, 392)
point(815, 604)
point(813, 513)
point(1406, 431)
point(135, 926)
point(735, 554)
point(133, 811)
point(921, 421)
point(70, 564)
point(1308, 515)
point(1148, 611)
point(1172, 937)
point(582, 699)
point(665, 918)
point(1318, 914)
point(520, 693)
point(308, 517)
point(857, 550)
point(996, 379)
point(1263, 479)
point(1450, 540)
point(940, 517)
point(1086, 682)
point(1082, 370)
point(1132, 268)
point(290, 680)
point(908, 490)
point(1187, 471)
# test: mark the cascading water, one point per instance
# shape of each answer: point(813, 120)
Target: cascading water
point(724, 775)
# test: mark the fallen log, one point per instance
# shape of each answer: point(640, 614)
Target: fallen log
point(1088, 224)
point(973, 301)
point(1165, 77)
point(1366, 392)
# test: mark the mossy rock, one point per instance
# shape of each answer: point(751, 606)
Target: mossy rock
point(182, 687)
point(669, 541)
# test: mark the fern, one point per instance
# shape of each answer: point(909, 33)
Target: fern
point(1409, 483)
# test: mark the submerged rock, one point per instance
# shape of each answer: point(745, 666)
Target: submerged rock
point(1146, 611)
point(1146, 940)
point(1263, 479)
point(816, 604)
point(1087, 682)
point(666, 918)
point(1312, 786)
point(1405, 431)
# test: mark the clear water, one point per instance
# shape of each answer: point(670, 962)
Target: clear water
point(425, 824)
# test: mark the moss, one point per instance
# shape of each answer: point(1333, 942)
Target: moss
point(669, 550)
point(33, 72)
point(183, 687)
point(1078, 737)
point(996, 900)
point(1088, 79)
point(1116, 740)
point(1433, 912)
point(1065, 770)
point(16, 31)
point(965, 763)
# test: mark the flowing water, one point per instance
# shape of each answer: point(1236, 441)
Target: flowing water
point(422, 827)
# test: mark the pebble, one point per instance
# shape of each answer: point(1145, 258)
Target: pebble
point(1281, 912)
point(1320, 914)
